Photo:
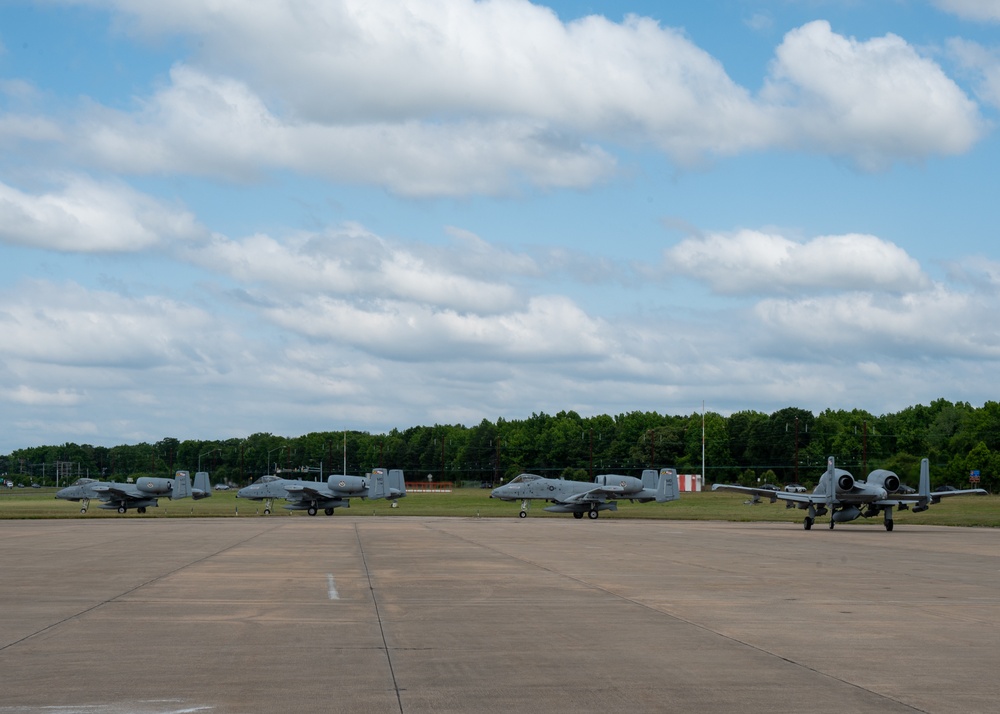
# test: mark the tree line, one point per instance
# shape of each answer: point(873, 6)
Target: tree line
point(790, 445)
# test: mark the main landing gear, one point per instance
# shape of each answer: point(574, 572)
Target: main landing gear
point(313, 510)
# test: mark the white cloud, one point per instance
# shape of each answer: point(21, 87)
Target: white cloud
point(876, 102)
point(29, 396)
point(18, 127)
point(219, 127)
point(983, 63)
point(352, 261)
point(363, 61)
point(89, 217)
point(66, 324)
point(861, 325)
point(752, 262)
point(986, 10)
point(457, 98)
point(550, 327)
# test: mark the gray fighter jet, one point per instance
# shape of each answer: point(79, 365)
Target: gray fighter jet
point(335, 492)
point(142, 494)
point(579, 497)
point(847, 498)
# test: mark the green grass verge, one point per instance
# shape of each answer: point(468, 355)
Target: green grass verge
point(471, 503)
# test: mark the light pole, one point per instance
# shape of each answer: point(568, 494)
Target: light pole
point(206, 454)
point(276, 448)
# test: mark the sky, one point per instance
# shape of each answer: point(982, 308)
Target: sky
point(287, 216)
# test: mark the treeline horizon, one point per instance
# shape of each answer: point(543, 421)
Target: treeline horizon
point(789, 445)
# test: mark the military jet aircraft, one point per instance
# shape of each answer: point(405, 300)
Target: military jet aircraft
point(847, 498)
point(335, 492)
point(579, 497)
point(140, 495)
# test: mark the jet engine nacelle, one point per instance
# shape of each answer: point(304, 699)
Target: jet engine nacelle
point(845, 482)
point(154, 485)
point(886, 479)
point(347, 484)
point(628, 484)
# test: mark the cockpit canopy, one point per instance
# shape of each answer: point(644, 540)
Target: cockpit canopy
point(526, 478)
point(268, 478)
point(83, 481)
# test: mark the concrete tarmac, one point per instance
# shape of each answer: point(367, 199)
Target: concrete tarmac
point(402, 614)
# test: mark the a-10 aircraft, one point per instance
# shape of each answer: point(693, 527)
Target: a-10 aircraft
point(847, 498)
point(142, 494)
point(335, 492)
point(579, 497)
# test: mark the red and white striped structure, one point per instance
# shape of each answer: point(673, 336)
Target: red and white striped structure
point(689, 482)
point(686, 482)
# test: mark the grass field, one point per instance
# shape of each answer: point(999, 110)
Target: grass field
point(472, 503)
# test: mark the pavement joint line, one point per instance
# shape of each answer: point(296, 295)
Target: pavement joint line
point(139, 586)
point(378, 616)
point(686, 621)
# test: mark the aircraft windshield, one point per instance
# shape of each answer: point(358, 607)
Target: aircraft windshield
point(83, 481)
point(525, 478)
point(267, 479)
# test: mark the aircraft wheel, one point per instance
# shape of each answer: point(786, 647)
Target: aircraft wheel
point(522, 514)
point(888, 525)
point(141, 509)
point(577, 514)
point(394, 505)
point(83, 510)
point(593, 514)
point(328, 511)
point(807, 523)
point(267, 511)
point(122, 509)
point(312, 510)
point(831, 524)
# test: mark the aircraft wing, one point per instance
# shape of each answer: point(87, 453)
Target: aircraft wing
point(942, 494)
point(933, 497)
point(298, 491)
point(598, 494)
point(773, 496)
point(121, 494)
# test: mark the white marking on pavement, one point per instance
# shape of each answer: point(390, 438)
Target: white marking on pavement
point(331, 587)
